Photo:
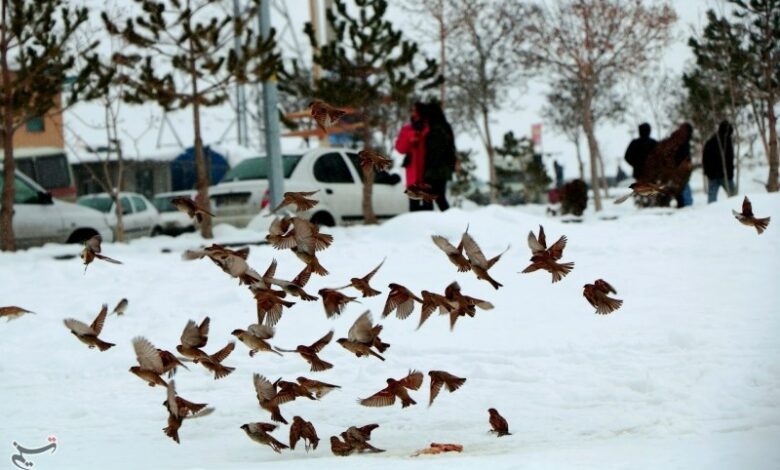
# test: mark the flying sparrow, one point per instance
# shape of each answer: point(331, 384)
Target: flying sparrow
point(269, 399)
point(12, 312)
point(547, 258)
point(258, 432)
point(320, 389)
point(325, 115)
point(439, 378)
point(597, 295)
point(396, 388)
point(120, 308)
point(334, 301)
point(362, 336)
point(746, 217)
point(302, 429)
point(299, 199)
point(401, 300)
point(150, 362)
point(193, 338)
point(454, 253)
point(88, 334)
point(214, 362)
point(479, 264)
point(642, 189)
point(420, 192)
point(361, 283)
point(357, 438)
point(179, 409)
point(309, 353)
point(373, 159)
point(255, 337)
point(191, 208)
point(92, 250)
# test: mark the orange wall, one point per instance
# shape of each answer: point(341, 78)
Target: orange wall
point(52, 135)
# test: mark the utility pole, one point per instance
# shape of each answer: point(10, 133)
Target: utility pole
point(273, 145)
point(241, 123)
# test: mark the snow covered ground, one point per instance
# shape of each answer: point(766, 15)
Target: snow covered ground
point(685, 375)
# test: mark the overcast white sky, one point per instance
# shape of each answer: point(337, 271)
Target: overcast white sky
point(144, 130)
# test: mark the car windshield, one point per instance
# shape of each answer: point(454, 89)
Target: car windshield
point(103, 204)
point(163, 204)
point(257, 168)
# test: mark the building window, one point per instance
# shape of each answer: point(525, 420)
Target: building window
point(35, 124)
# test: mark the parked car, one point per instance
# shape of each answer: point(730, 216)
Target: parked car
point(243, 192)
point(139, 216)
point(172, 220)
point(39, 218)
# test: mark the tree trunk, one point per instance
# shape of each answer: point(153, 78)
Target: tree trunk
point(7, 240)
point(202, 182)
point(579, 159)
point(491, 157)
point(603, 179)
point(593, 148)
point(368, 184)
point(113, 188)
point(774, 160)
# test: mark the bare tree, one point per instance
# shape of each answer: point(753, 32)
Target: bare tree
point(483, 67)
point(594, 42)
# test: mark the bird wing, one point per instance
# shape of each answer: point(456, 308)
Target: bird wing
point(304, 235)
point(495, 259)
point(473, 252)
point(556, 250)
point(223, 353)
point(94, 243)
point(271, 271)
point(97, 325)
point(383, 397)
point(147, 355)
point(534, 244)
point(361, 329)
point(303, 277)
point(106, 258)
point(604, 286)
point(436, 384)
point(190, 336)
point(173, 407)
point(322, 342)
point(747, 207)
point(443, 244)
point(203, 329)
point(368, 276)
point(78, 327)
point(264, 389)
point(413, 381)
point(405, 308)
point(394, 298)
point(295, 432)
point(261, 331)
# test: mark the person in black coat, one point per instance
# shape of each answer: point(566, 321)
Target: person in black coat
point(682, 159)
point(439, 154)
point(639, 149)
point(719, 153)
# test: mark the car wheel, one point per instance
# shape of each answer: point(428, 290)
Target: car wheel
point(157, 231)
point(81, 235)
point(323, 219)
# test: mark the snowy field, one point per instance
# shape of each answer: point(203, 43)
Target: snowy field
point(685, 375)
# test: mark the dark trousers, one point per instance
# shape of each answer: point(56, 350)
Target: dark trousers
point(440, 189)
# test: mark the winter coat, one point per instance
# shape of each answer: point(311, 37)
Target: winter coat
point(711, 157)
point(637, 152)
point(439, 155)
point(411, 142)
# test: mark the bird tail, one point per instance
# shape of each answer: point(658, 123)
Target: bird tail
point(560, 271)
point(276, 445)
point(172, 432)
point(318, 365)
point(531, 268)
point(102, 345)
point(222, 371)
point(371, 292)
point(317, 268)
point(276, 415)
point(454, 384)
point(371, 351)
point(761, 225)
point(623, 198)
point(407, 401)
point(380, 346)
point(493, 282)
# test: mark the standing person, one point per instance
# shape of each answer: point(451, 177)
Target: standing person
point(439, 154)
point(718, 155)
point(411, 143)
point(683, 160)
point(639, 149)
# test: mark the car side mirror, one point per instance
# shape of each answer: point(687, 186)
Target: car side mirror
point(45, 198)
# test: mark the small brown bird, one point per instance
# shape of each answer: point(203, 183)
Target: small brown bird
point(294, 287)
point(373, 159)
point(120, 308)
point(396, 388)
point(193, 338)
point(269, 398)
point(279, 234)
point(309, 353)
point(357, 438)
point(13, 312)
point(325, 115)
point(320, 389)
point(296, 389)
point(479, 264)
point(302, 429)
point(308, 241)
point(214, 361)
point(420, 192)
point(439, 378)
point(258, 432)
point(180, 409)
point(431, 302)
point(361, 283)
point(461, 304)
point(231, 262)
point(88, 334)
point(191, 208)
point(334, 301)
point(362, 336)
point(597, 296)
point(170, 362)
point(746, 217)
point(92, 250)
point(498, 423)
point(151, 363)
point(642, 189)
point(255, 337)
point(298, 199)
point(339, 447)
point(454, 253)
point(270, 304)
point(401, 300)
point(547, 258)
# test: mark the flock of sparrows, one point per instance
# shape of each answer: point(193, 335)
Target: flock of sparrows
point(363, 338)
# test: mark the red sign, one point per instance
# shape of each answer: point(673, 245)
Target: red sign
point(536, 134)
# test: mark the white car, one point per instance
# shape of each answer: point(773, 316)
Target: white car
point(172, 220)
point(139, 216)
point(39, 219)
point(335, 172)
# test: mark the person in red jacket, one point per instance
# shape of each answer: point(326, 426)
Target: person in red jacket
point(411, 143)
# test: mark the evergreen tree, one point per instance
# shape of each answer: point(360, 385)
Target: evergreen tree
point(192, 39)
point(522, 177)
point(36, 56)
point(464, 179)
point(369, 67)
